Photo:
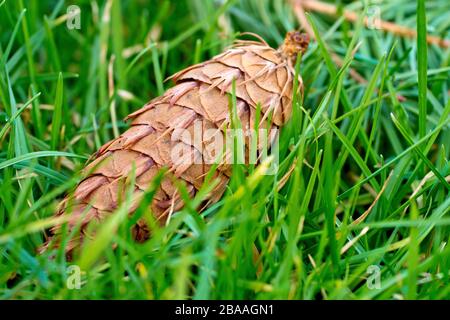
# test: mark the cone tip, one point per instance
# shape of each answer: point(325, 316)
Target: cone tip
point(294, 42)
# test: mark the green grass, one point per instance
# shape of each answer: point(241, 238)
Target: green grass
point(368, 163)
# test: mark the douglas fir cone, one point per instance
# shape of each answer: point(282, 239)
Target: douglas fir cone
point(198, 103)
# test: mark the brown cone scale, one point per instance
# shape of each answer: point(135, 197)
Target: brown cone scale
point(199, 99)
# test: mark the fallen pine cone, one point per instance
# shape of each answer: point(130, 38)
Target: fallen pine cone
point(199, 101)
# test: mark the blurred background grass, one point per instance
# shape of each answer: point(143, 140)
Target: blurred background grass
point(364, 172)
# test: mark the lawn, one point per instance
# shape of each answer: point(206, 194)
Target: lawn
point(358, 208)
